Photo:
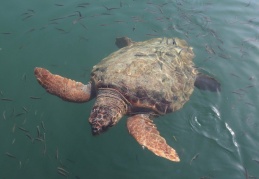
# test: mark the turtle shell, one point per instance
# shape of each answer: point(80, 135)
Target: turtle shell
point(156, 75)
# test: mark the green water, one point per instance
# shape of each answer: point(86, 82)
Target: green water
point(220, 129)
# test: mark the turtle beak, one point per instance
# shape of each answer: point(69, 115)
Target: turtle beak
point(100, 120)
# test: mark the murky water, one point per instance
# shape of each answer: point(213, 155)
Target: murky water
point(215, 134)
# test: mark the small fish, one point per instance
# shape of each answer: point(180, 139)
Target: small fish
point(248, 4)
point(209, 49)
point(84, 38)
point(106, 14)
point(24, 130)
point(84, 4)
point(30, 137)
point(224, 56)
point(110, 8)
point(61, 30)
point(151, 34)
point(45, 148)
point(62, 173)
point(63, 170)
point(83, 25)
point(24, 121)
point(24, 75)
point(81, 6)
point(250, 104)
point(35, 97)
point(61, 163)
point(6, 33)
point(31, 30)
point(13, 112)
point(79, 13)
point(59, 4)
point(43, 125)
point(246, 174)
point(58, 18)
point(235, 92)
point(39, 139)
point(38, 131)
point(234, 75)
point(161, 10)
point(4, 115)
point(257, 161)
point(19, 114)
point(27, 17)
point(14, 126)
point(25, 109)
point(13, 141)
point(71, 161)
point(10, 155)
point(194, 157)
point(6, 99)
point(57, 154)
point(249, 86)
point(31, 10)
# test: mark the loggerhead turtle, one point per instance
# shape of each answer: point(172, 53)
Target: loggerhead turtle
point(142, 80)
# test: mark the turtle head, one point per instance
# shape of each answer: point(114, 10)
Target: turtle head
point(107, 111)
point(101, 119)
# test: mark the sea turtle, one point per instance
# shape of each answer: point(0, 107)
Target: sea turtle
point(142, 80)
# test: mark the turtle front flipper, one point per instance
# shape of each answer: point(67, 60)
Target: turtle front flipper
point(64, 88)
point(205, 82)
point(145, 132)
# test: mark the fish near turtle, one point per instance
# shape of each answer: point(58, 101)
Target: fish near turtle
point(142, 80)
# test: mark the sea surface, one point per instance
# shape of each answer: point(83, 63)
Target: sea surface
point(43, 137)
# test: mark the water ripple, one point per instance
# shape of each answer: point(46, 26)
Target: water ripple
point(210, 125)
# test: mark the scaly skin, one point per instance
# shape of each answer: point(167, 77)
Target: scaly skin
point(64, 88)
point(145, 132)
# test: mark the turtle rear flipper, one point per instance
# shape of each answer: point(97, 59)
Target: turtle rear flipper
point(64, 88)
point(123, 42)
point(147, 135)
point(205, 82)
